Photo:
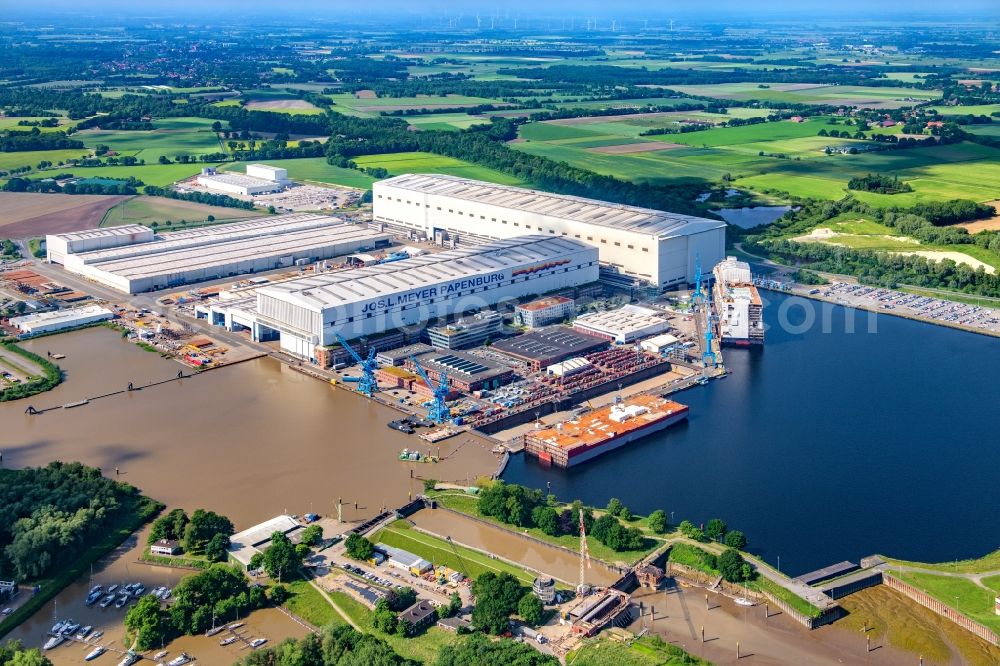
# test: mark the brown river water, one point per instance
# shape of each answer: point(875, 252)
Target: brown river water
point(250, 441)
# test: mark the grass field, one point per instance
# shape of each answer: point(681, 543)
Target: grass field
point(147, 210)
point(150, 174)
point(988, 562)
point(891, 617)
point(33, 157)
point(646, 651)
point(316, 170)
point(446, 121)
point(398, 163)
point(961, 594)
point(804, 93)
point(309, 604)
point(170, 138)
point(439, 552)
point(424, 647)
point(12, 124)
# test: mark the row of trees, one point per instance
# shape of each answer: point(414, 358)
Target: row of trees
point(876, 182)
point(341, 645)
point(199, 197)
point(528, 507)
point(14, 141)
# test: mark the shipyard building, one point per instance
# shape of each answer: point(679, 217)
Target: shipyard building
point(259, 179)
point(636, 245)
point(309, 312)
point(133, 262)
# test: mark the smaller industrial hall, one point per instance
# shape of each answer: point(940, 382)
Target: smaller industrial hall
point(134, 259)
point(311, 311)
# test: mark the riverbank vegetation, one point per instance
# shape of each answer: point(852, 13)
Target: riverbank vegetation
point(57, 520)
point(644, 651)
point(13, 653)
point(36, 384)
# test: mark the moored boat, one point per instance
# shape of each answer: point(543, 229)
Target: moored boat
point(257, 642)
point(53, 642)
point(95, 653)
point(129, 659)
point(180, 659)
point(229, 640)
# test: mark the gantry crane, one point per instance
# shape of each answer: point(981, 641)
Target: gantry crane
point(367, 384)
point(438, 411)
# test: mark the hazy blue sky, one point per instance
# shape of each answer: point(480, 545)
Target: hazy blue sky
point(844, 8)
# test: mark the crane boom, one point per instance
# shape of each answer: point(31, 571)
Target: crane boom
point(367, 384)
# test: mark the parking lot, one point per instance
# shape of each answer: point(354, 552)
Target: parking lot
point(922, 307)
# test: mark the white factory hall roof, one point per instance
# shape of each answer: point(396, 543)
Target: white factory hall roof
point(106, 232)
point(189, 259)
point(578, 209)
point(60, 316)
point(624, 321)
point(333, 289)
point(213, 235)
point(239, 179)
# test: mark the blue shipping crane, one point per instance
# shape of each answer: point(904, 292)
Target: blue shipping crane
point(438, 410)
point(367, 384)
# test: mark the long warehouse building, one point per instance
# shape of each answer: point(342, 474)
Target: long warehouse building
point(208, 253)
point(637, 245)
point(310, 311)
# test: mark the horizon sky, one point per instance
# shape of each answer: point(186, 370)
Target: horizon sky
point(645, 8)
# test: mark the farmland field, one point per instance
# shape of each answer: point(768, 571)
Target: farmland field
point(292, 106)
point(25, 214)
point(806, 93)
point(398, 163)
point(775, 157)
point(170, 138)
point(361, 105)
point(33, 157)
point(146, 210)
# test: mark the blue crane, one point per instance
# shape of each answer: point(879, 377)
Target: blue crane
point(708, 356)
point(367, 384)
point(698, 295)
point(438, 411)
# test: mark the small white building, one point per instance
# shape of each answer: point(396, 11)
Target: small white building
point(244, 545)
point(624, 325)
point(236, 183)
point(44, 322)
point(658, 344)
point(404, 559)
point(569, 367)
point(265, 172)
point(165, 547)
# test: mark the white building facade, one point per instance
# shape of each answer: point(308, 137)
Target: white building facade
point(635, 244)
point(311, 311)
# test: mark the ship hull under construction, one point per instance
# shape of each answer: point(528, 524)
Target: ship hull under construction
point(547, 452)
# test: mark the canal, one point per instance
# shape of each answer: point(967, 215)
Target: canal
point(826, 444)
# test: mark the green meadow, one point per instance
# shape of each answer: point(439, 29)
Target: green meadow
point(169, 138)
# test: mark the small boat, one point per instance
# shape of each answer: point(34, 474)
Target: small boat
point(138, 590)
point(743, 601)
point(228, 640)
point(57, 627)
point(235, 625)
point(129, 659)
point(97, 634)
point(112, 588)
point(93, 597)
point(55, 641)
point(165, 594)
point(122, 600)
point(160, 655)
point(107, 601)
point(95, 653)
point(180, 660)
point(96, 589)
point(214, 630)
point(70, 628)
point(257, 642)
point(82, 634)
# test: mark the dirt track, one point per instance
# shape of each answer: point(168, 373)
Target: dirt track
point(27, 214)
